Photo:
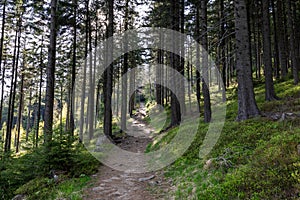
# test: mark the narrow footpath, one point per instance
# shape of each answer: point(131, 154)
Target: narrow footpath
point(110, 184)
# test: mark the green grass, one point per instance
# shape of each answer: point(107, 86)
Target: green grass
point(29, 174)
point(253, 159)
point(45, 188)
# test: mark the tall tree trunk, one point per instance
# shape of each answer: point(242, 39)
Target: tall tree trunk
point(175, 63)
point(118, 91)
point(205, 79)
point(94, 76)
point(159, 71)
point(72, 124)
point(197, 34)
point(82, 105)
point(20, 115)
point(246, 100)
point(124, 72)
point(275, 40)
point(291, 30)
point(2, 33)
point(15, 83)
point(40, 97)
point(296, 7)
point(61, 111)
point(258, 49)
point(189, 78)
point(91, 100)
point(182, 59)
point(48, 119)
point(10, 112)
point(281, 39)
point(98, 100)
point(2, 94)
point(269, 85)
point(222, 48)
point(109, 74)
point(28, 116)
point(132, 92)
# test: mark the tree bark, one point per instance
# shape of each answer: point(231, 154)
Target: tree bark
point(246, 100)
point(82, 105)
point(91, 100)
point(124, 71)
point(72, 124)
point(291, 30)
point(48, 119)
point(10, 112)
point(20, 114)
point(28, 116)
point(107, 89)
point(205, 79)
point(182, 59)
point(281, 39)
point(175, 63)
point(40, 97)
point(2, 33)
point(197, 35)
point(2, 95)
point(267, 56)
point(222, 48)
point(275, 40)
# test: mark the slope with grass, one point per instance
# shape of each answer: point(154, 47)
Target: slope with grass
point(254, 159)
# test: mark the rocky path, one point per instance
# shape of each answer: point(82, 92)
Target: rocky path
point(110, 184)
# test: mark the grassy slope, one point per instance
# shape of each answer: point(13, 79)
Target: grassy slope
point(254, 159)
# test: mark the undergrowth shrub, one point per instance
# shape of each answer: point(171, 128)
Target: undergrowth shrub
point(69, 157)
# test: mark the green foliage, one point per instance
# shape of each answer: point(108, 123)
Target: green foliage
point(31, 171)
point(45, 188)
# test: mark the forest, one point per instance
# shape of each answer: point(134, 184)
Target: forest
point(144, 99)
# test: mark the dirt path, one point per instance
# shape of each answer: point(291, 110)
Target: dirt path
point(110, 184)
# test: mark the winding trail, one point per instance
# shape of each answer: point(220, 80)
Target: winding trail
point(110, 184)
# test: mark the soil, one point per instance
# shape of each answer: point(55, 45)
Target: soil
point(110, 184)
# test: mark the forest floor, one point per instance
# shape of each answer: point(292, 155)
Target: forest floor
point(110, 184)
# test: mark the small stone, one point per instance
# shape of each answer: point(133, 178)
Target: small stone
point(154, 183)
point(115, 178)
point(283, 117)
point(208, 164)
point(194, 190)
point(98, 188)
point(19, 197)
point(146, 178)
